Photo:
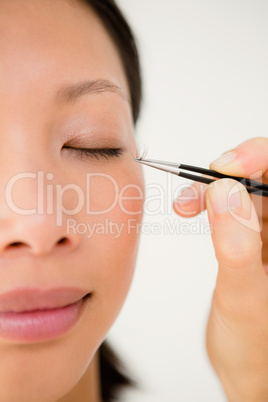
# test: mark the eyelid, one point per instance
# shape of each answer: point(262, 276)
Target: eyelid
point(88, 140)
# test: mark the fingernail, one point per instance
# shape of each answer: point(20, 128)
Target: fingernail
point(225, 158)
point(224, 195)
point(187, 195)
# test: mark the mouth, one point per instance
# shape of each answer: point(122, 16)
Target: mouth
point(32, 319)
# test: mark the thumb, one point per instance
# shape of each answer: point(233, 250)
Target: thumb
point(235, 235)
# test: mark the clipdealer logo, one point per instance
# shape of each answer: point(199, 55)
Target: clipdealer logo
point(50, 196)
point(158, 201)
point(167, 227)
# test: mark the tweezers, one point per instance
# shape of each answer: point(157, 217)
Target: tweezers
point(252, 186)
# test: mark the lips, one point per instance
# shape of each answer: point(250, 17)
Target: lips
point(31, 299)
point(30, 315)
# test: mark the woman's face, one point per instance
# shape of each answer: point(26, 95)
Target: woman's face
point(69, 218)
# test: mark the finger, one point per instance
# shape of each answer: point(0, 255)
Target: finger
point(236, 239)
point(191, 201)
point(264, 237)
point(248, 159)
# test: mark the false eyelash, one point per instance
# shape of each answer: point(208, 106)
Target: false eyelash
point(97, 153)
point(141, 152)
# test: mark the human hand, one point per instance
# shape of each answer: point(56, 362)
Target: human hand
point(237, 329)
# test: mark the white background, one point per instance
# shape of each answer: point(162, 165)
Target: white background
point(205, 66)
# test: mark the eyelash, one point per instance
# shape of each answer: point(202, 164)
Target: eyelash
point(98, 153)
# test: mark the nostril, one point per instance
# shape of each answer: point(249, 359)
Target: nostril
point(63, 240)
point(16, 244)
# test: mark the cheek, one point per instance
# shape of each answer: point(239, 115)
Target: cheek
point(114, 221)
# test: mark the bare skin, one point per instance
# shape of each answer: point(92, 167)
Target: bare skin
point(45, 46)
point(237, 330)
point(88, 387)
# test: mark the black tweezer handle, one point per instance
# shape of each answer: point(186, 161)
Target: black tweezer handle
point(252, 186)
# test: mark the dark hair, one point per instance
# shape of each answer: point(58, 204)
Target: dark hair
point(121, 33)
point(112, 372)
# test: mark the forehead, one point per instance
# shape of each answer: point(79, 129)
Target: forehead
point(54, 41)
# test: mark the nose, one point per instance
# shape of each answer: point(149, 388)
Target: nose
point(28, 216)
point(36, 234)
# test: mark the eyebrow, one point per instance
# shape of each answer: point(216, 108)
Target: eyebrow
point(71, 93)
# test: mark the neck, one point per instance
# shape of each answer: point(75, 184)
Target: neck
point(88, 388)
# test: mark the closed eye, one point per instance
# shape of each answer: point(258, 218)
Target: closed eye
point(96, 153)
